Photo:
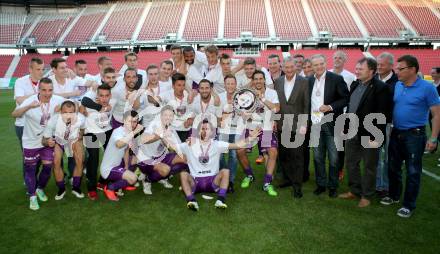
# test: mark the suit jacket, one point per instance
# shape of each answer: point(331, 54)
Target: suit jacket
point(335, 93)
point(376, 99)
point(297, 103)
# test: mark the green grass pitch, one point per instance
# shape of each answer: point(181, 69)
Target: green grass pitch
point(253, 223)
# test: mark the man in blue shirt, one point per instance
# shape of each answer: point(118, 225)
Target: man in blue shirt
point(413, 99)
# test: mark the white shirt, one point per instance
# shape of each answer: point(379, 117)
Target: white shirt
point(265, 117)
point(23, 87)
point(193, 75)
point(215, 75)
point(68, 87)
point(139, 71)
point(199, 107)
point(157, 149)
point(33, 119)
point(119, 102)
point(387, 77)
point(348, 77)
point(317, 99)
point(64, 135)
point(113, 155)
point(232, 124)
point(96, 122)
point(166, 85)
point(79, 83)
point(288, 87)
point(149, 110)
point(182, 109)
point(193, 152)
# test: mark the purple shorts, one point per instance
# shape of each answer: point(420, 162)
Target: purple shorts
point(33, 156)
point(115, 124)
point(205, 184)
point(116, 173)
point(266, 139)
point(147, 167)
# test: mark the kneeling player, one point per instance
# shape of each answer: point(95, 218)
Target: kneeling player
point(65, 132)
point(159, 163)
point(112, 166)
point(203, 157)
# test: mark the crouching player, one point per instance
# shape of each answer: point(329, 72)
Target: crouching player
point(112, 165)
point(203, 157)
point(64, 133)
point(156, 161)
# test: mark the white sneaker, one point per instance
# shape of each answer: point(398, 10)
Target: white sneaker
point(60, 196)
point(120, 193)
point(166, 184)
point(404, 212)
point(220, 204)
point(78, 193)
point(192, 205)
point(33, 203)
point(147, 188)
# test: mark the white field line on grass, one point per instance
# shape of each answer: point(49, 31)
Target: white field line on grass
point(426, 172)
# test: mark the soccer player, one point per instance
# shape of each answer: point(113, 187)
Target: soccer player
point(155, 159)
point(83, 81)
point(66, 130)
point(112, 165)
point(24, 88)
point(231, 127)
point(268, 104)
point(62, 84)
point(177, 58)
point(104, 62)
point(125, 96)
point(203, 155)
point(178, 98)
point(207, 101)
point(244, 77)
point(131, 61)
point(36, 110)
point(274, 64)
point(165, 73)
point(97, 134)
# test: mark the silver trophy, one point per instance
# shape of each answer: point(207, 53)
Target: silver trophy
point(245, 100)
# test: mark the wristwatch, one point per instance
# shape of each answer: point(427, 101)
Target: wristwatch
point(433, 140)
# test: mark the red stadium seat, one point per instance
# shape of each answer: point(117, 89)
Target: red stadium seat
point(290, 20)
point(5, 61)
point(50, 28)
point(208, 11)
point(163, 18)
point(245, 15)
point(378, 18)
point(333, 16)
point(86, 26)
point(23, 65)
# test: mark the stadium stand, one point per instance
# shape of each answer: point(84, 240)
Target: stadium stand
point(290, 20)
point(163, 18)
point(11, 27)
point(245, 15)
point(86, 25)
point(333, 16)
point(4, 64)
point(378, 18)
point(51, 27)
point(421, 17)
point(122, 22)
point(202, 10)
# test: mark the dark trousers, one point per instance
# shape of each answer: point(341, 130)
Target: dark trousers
point(306, 152)
point(363, 185)
point(292, 163)
point(93, 159)
point(19, 133)
point(407, 146)
point(326, 146)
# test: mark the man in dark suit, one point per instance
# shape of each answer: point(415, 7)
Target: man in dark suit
point(328, 95)
point(293, 95)
point(385, 73)
point(368, 95)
